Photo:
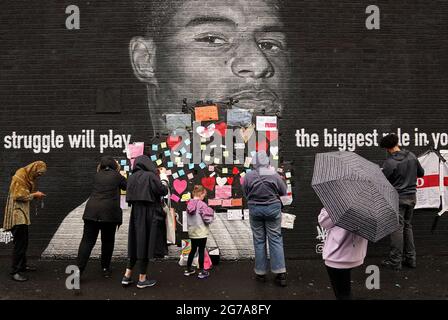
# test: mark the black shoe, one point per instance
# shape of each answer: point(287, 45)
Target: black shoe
point(28, 268)
point(107, 273)
point(260, 277)
point(18, 277)
point(145, 284)
point(390, 265)
point(280, 279)
point(410, 264)
point(126, 281)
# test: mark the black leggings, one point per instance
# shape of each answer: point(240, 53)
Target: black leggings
point(20, 234)
point(195, 244)
point(341, 282)
point(89, 237)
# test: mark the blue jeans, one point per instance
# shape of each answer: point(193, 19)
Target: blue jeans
point(265, 220)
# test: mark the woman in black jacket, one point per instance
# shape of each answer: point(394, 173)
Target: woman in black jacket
point(102, 212)
point(146, 187)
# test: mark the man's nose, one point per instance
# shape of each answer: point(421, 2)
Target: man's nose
point(251, 62)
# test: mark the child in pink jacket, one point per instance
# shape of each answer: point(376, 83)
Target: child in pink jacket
point(343, 251)
point(199, 217)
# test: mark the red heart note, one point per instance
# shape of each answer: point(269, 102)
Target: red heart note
point(173, 142)
point(235, 170)
point(272, 135)
point(230, 180)
point(208, 183)
point(221, 128)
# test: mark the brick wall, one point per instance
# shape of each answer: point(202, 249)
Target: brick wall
point(344, 77)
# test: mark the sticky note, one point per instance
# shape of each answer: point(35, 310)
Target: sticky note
point(153, 157)
point(242, 174)
point(225, 170)
point(236, 161)
point(203, 147)
point(190, 176)
point(225, 154)
point(237, 202)
point(174, 198)
point(126, 168)
point(223, 146)
point(188, 155)
point(187, 142)
point(176, 153)
point(203, 139)
point(183, 150)
point(207, 158)
point(155, 147)
point(211, 168)
point(175, 175)
point(191, 166)
point(213, 146)
point(123, 162)
point(180, 164)
point(212, 174)
point(168, 172)
point(217, 160)
point(186, 197)
point(181, 173)
point(163, 145)
point(177, 159)
point(169, 164)
point(167, 153)
point(223, 192)
point(202, 165)
point(239, 146)
point(288, 175)
point(275, 157)
point(248, 170)
point(159, 162)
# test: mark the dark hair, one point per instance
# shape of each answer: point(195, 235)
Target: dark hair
point(108, 162)
point(389, 141)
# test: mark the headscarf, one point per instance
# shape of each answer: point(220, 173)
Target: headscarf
point(22, 185)
point(108, 162)
point(24, 180)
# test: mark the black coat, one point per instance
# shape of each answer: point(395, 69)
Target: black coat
point(104, 202)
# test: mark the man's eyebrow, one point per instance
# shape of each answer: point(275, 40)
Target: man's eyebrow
point(210, 19)
point(272, 28)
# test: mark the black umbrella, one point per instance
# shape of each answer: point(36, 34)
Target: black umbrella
point(356, 194)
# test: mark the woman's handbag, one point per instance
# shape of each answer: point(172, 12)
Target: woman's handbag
point(170, 220)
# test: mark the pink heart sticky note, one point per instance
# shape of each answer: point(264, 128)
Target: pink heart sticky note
point(180, 186)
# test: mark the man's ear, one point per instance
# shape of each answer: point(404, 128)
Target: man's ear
point(143, 57)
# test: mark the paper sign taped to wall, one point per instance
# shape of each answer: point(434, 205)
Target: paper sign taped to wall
point(134, 150)
point(184, 221)
point(288, 220)
point(227, 202)
point(239, 117)
point(237, 202)
point(223, 192)
point(178, 121)
point(214, 202)
point(266, 123)
point(234, 214)
point(206, 113)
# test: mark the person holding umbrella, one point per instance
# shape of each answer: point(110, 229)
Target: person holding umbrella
point(402, 168)
point(22, 191)
point(343, 251)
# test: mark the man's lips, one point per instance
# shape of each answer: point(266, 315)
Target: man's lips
point(262, 95)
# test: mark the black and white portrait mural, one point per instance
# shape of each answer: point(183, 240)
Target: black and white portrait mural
point(199, 86)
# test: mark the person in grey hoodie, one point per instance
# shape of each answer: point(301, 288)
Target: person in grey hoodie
point(263, 188)
point(402, 168)
point(199, 217)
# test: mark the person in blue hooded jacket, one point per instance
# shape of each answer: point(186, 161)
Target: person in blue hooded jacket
point(263, 188)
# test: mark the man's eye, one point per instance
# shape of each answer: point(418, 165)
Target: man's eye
point(270, 46)
point(211, 40)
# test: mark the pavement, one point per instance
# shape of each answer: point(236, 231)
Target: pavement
point(229, 280)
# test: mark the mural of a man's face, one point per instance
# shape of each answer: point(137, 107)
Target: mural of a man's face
point(215, 50)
